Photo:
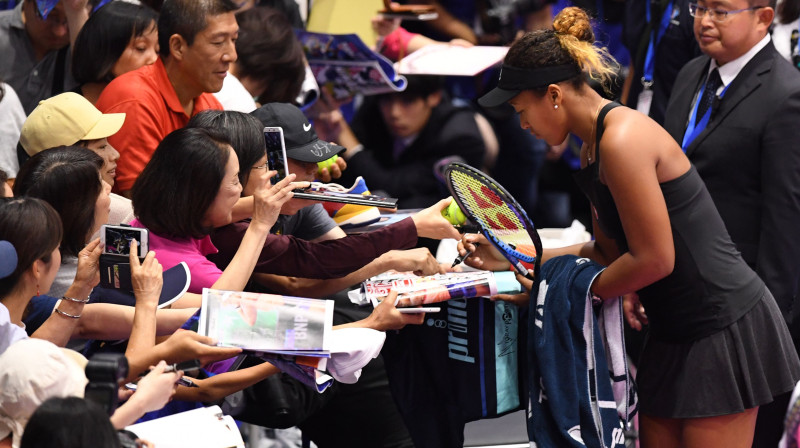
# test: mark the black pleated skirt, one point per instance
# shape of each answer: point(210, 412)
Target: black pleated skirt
point(741, 367)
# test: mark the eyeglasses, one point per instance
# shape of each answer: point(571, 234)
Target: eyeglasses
point(717, 15)
point(260, 167)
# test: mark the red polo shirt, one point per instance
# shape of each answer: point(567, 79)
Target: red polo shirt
point(152, 111)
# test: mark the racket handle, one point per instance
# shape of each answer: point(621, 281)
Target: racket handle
point(522, 270)
point(468, 228)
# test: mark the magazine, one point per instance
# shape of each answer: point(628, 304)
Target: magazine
point(345, 66)
point(201, 427)
point(450, 60)
point(415, 291)
point(266, 322)
point(387, 218)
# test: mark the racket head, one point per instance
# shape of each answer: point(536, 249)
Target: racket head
point(501, 219)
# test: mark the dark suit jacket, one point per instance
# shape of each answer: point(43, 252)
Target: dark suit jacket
point(450, 131)
point(749, 158)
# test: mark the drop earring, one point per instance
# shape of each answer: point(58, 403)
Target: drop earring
point(555, 106)
point(37, 289)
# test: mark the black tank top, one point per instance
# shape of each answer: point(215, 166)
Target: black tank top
point(711, 286)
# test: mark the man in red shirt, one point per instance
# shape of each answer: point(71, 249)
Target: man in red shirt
point(196, 41)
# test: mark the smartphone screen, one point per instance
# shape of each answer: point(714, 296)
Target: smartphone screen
point(276, 153)
point(118, 240)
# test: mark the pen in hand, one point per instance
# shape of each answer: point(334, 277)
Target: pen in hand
point(460, 259)
point(182, 381)
point(186, 366)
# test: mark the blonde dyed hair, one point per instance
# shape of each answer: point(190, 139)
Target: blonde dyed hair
point(571, 40)
point(574, 32)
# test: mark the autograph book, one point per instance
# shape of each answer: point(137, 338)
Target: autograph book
point(345, 66)
point(267, 322)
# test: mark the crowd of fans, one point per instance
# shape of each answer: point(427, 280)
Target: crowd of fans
point(151, 114)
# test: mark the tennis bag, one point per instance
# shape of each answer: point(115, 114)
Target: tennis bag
point(462, 364)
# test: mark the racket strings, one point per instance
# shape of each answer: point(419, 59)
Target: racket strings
point(494, 214)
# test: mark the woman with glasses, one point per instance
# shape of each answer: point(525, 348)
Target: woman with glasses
point(333, 265)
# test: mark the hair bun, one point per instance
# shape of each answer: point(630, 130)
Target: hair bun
point(8, 259)
point(575, 22)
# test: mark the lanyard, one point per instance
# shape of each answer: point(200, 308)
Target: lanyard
point(655, 38)
point(694, 128)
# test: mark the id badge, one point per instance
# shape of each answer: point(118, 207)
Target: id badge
point(645, 100)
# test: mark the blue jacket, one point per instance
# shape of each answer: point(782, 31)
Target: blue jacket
point(572, 395)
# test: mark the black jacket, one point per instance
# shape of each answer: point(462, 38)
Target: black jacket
point(450, 131)
point(749, 158)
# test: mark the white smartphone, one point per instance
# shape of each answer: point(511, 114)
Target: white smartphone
point(117, 239)
point(409, 15)
point(421, 309)
point(276, 152)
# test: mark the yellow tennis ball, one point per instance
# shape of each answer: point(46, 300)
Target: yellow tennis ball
point(453, 214)
point(326, 163)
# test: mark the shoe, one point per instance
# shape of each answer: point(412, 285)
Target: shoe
point(349, 215)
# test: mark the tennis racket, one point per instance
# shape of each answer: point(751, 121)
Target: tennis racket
point(501, 219)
